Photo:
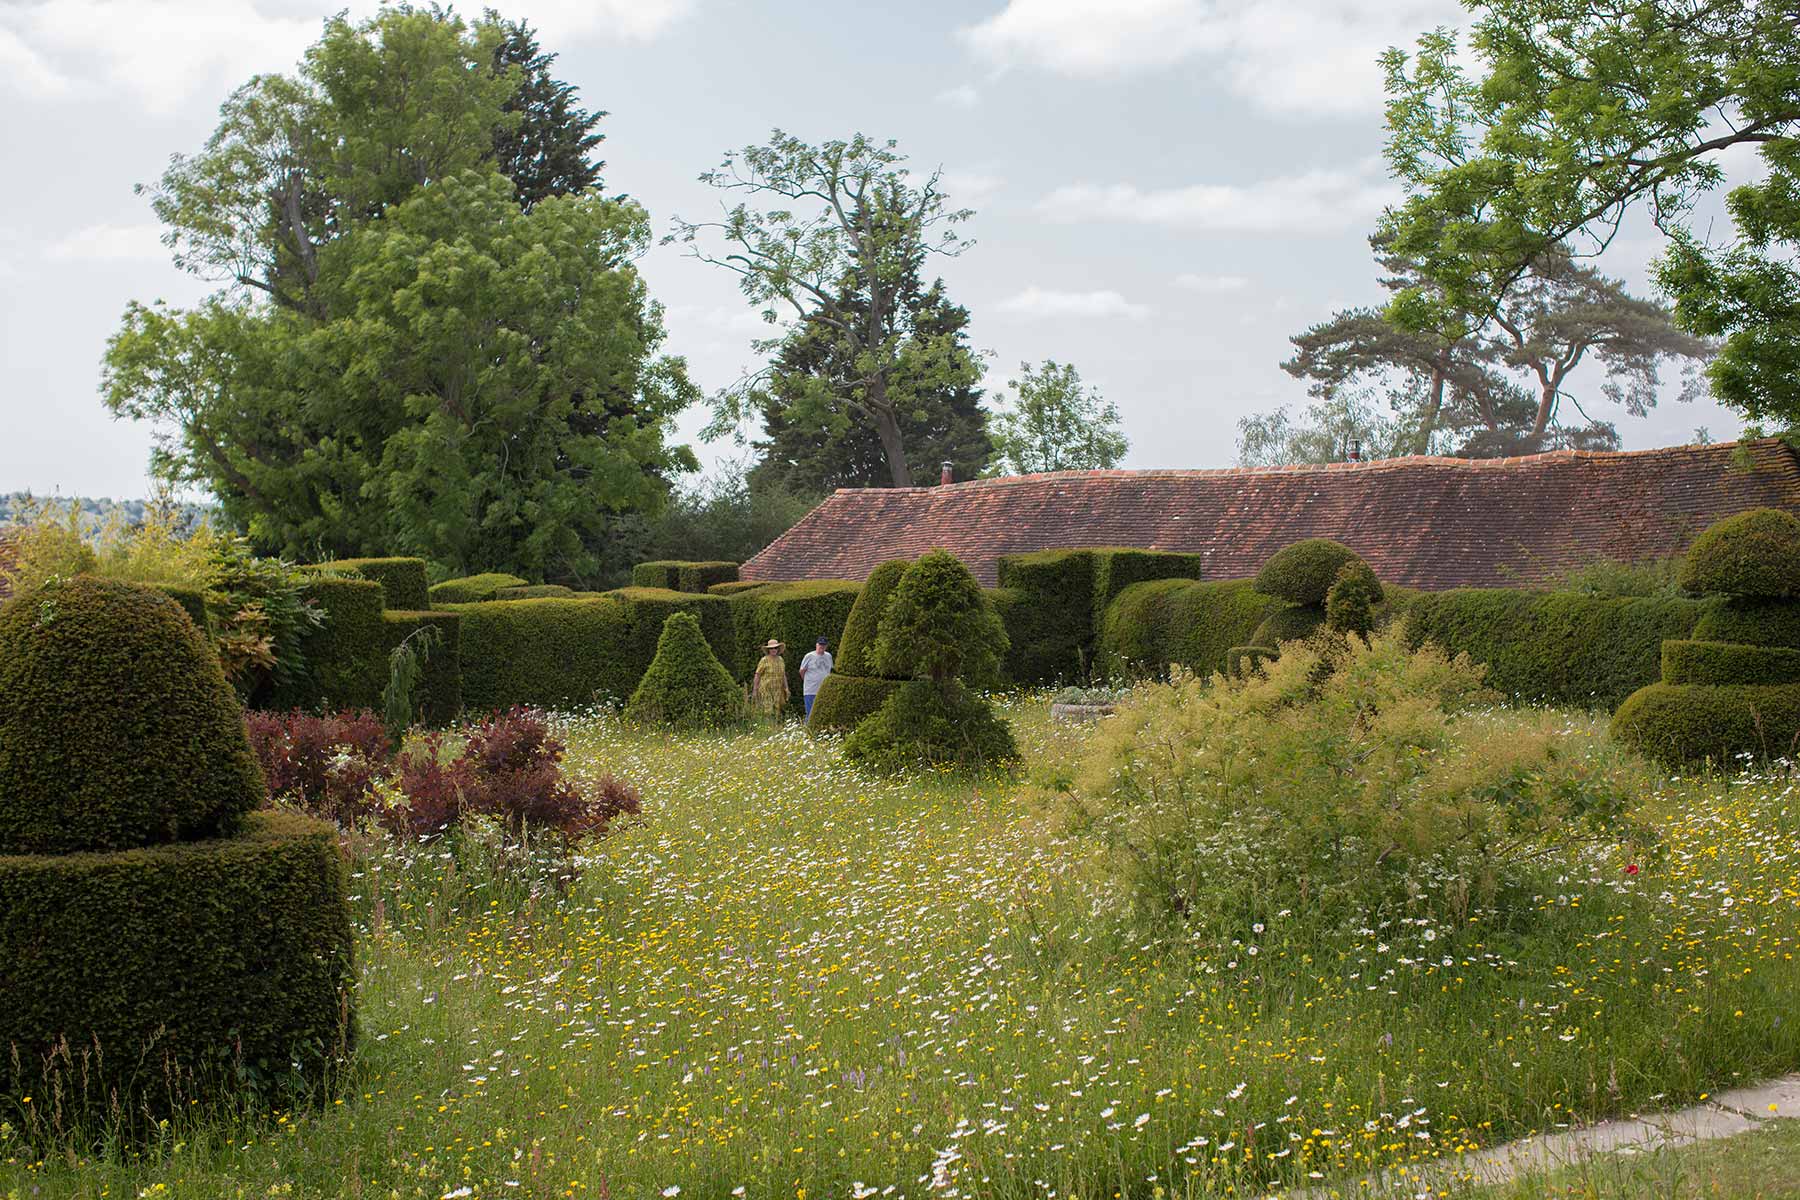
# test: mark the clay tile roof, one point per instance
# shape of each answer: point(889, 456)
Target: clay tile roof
point(1422, 522)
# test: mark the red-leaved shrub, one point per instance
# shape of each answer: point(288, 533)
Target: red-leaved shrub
point(328, 765)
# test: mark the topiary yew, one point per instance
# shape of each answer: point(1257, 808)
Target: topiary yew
point(1350, 604)
point(924, 724)
point(1755, 553)
point(1304, 572)
point(939, 625)
point(117, 727)
point(686, 685)
point(856, 650)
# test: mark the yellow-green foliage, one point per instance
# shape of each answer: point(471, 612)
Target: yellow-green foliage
point(140, 982)
point(53, 541)
point(117, 727)
point(686, 685)
point(1381, 786)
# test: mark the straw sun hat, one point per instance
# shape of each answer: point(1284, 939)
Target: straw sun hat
point(772, 644)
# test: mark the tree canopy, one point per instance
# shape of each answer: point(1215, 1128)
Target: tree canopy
point(1054, 423)
point(842, 241)
point(412, 352)
point(1565, 117)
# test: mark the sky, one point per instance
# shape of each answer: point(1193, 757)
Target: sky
point(1165, 190)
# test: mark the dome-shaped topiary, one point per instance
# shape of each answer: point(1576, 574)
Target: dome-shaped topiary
point(939, 625)
point(1755, 553)
point(686, 684)
point(856, 649)
point(117, 727)
point(1303, 573)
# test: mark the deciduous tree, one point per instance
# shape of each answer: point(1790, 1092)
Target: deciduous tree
point(1056, 424)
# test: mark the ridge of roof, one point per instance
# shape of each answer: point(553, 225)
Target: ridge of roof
point(1402, 463)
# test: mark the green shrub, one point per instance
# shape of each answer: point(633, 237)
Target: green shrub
point(1051, 624)
point(1117, 569)
point(144, 980)
point(650, 608)
point(1191, 623)
point(1681, 724)
point(472, 589)
point(1350, 604)
point(844, 700)
point(532, 591)
point(1287, 623)
point(686, 686)
point(1728, 663)
point(1754, 553)
point(1753, 622)
point(1556, 648)
point(735, 586)
point(683, 576)
point(794, 614)
point(192, 601)
point(551, 653)
point(939, 625)
point(117, 727)
point(1383, 788)
point(927, 725)
point(1038, 651)
point(346, 657)
point(856, 649)
point(402, 580)
point(701, 576)
point(1240, 661)
point(1304, 572)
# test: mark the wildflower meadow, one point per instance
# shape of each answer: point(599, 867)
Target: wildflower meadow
point(785, 978)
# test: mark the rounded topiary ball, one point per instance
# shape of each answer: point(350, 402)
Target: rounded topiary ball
point(1303, 573)
point(117, 728)
point(1755, 553)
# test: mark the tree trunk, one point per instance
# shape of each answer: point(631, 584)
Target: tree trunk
point(1433, 405)
point(1546, 407)
point(888, 427)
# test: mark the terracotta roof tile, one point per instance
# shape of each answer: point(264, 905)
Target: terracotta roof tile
point(1422, 522)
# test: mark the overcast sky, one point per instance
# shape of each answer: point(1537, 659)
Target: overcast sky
point(1165, 189)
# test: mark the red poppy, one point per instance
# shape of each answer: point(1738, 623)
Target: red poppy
point(1631, 869)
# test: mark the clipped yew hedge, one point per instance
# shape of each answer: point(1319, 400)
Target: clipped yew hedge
point(153, 978)
point(1728, 663)
point(844, 700)
point(679, 576)
point(402, 580)
point(473, 589)
point(1690, 723)
point(532, 591)
point(1054, 604)
point(347, 659)
point(549, 653)
point(793, 614)
point(1193, 623)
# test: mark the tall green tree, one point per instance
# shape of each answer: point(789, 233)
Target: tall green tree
point(844, 232)
point(814, 443)
point(549, 151)
point(1054, 423)
point(404, 358)
point(1564, 118)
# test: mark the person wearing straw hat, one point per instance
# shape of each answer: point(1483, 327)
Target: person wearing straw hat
point(769, 689)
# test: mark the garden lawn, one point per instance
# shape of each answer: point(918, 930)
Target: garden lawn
point(789, 980)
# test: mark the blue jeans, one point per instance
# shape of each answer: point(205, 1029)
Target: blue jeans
point(808, 699)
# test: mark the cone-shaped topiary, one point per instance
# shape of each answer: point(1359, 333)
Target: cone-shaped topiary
point(117, 727)
point(1755, 553)
point(939, 625)
point(924, 724)
point(1350, 604)
point(686, 684)
point(856, 649)
point(1304, 572)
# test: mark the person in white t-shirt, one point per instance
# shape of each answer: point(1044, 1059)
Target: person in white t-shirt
point(813, 670)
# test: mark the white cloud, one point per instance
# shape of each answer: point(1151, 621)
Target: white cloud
point(960, 96)
point(109, 243)
point(1317, 201)
point(1286, 56)
point(1211, 283)
point(161, 52)
point(970, 189)
point(1046, 302)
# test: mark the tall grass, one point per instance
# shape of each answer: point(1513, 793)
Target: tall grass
point(789, 979)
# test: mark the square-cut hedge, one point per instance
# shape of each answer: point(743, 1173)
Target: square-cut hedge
point(532, 591)
point(683, 576)
point(1039, 649)
point(402, 580)
point(735, 586)
point(794, 614)
point(1063, 595)
point(437, 696)
point(473, 589)
point(1565, 648)
point(192, 601)
point(551, 653)
point(1152, 626)
point(347, 659)
point(648, 608)
point(1116, 570)
point(181, 963)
